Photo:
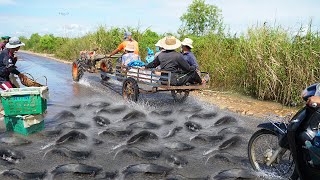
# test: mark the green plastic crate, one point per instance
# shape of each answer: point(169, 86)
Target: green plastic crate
point(19, 125)
point(23, 101)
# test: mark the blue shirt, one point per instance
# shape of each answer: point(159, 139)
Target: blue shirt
point(191, 59)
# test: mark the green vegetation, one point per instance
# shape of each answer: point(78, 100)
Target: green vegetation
point(265, 62)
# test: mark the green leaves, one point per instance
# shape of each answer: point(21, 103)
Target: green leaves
point(201, 19)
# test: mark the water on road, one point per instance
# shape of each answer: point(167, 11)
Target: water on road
point(92, 133)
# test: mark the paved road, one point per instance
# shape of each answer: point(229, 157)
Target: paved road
point(159, 110)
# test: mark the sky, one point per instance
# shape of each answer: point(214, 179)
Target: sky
point(74, 18)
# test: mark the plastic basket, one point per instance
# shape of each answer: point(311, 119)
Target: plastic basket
point(23, 101)
point(25, 125)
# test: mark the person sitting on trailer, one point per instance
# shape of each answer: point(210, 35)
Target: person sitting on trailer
point(172, 61)
point(129, 56)
point(7, 63)
point(187, 54)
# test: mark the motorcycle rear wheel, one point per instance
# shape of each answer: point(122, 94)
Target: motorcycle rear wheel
point(262, 145)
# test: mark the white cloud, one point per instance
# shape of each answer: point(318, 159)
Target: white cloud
point(7, 2)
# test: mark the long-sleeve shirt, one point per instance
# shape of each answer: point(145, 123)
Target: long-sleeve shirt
point(191, 59)
point(7, 65)
point(171, 61)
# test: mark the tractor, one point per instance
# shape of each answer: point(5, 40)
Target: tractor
point(88, 61)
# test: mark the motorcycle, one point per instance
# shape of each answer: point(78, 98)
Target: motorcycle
point(287, 148)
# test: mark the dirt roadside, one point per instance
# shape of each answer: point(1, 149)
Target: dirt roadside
point(234, 102)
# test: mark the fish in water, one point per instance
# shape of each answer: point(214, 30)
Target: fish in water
point(172, 132)
point(96, 141)
point(232, 142)
point(72, 125)
point(225, 156)
point(232, 130)
point(98, 104)
point(226, 120)
point(76, 106)
point(11, 156)
point(117, 132)
point(64, 115)
point(14, 141)
point(101, 121)
point(143, 125)
point(207, 138)
point(180, 177)
point(209, 115)
point(179, 146)
point(112, 110)
point(192, 126)
point(18, 174)
point(151, 155)
point(134, 115)
point(176, 160)
point(52, 133)
point(147, 168)
point(109, 175)
point(237, 174)
point(76, 168)
point(71, 136)
point(79, 155)
point(193, 109)
point(141, 136)
point(162, 113)
point(168, 121)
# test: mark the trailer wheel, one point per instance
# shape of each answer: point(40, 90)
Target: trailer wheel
point(77, 70)
point(130, 90)
point(180, 95)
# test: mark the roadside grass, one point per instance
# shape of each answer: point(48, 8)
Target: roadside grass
point(268, 63)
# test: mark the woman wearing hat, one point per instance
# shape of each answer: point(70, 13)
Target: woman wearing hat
point(5, 41)
point(130, 56)
point(170, 60)
point(7, 63)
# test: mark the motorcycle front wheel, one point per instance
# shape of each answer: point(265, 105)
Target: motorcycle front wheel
point(262, 145)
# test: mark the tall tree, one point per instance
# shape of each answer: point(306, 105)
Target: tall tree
point(201, 18)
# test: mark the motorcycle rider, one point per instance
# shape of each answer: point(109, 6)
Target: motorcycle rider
point(7, 63)
point(127, 39)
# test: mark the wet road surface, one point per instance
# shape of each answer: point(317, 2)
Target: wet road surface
point(89, 124)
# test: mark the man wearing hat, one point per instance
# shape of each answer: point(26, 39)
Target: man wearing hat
point(5, 41)
point(7, 64)
point(187, 54)
point(127, 39)
point(170, 60)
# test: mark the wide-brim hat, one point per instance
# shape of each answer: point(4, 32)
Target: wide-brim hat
point(130, 47)
point(158, 44)
point(187, 42)
point(170, 43)
point(14, 42)
point(5, 37)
